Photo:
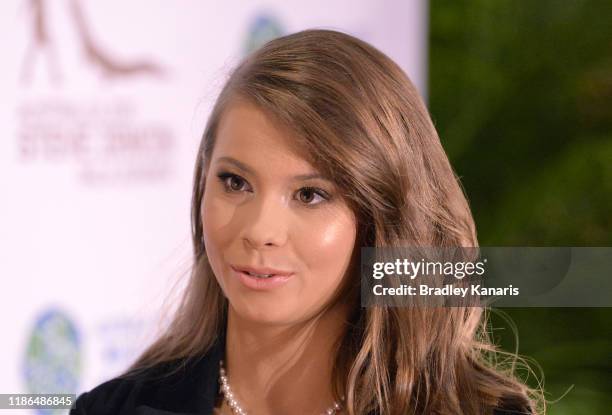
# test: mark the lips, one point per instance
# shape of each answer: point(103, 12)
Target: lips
point(261, 279)
point(261, 272)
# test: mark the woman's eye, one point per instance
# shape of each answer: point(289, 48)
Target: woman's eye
point(232, 182)
point(307, 194)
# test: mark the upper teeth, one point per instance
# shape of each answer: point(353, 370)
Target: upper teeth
point(259, 275)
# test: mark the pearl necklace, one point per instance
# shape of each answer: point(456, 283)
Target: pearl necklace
point(236, 408)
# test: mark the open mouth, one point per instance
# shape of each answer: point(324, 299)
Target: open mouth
point(262, 276)
point(265, 279)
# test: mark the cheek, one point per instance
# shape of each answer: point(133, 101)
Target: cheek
point(327, 247)
point(216, 228)
point(216, 218)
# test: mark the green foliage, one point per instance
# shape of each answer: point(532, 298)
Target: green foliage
point(521, 94)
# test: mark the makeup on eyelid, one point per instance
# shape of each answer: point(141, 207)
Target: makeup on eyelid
point(224, 175)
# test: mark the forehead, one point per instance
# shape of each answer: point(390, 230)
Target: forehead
point(248, 133)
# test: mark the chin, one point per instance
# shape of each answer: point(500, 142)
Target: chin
point(271, 312)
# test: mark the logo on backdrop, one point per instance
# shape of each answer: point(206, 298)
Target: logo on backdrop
point(262, 29)
point(42, 44)
point(116, 134)
point(52, 361)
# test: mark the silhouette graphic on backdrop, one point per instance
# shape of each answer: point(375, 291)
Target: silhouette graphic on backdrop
point(108, 65)
point(40, 43)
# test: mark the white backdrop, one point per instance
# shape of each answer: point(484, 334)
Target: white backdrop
point(102, 105)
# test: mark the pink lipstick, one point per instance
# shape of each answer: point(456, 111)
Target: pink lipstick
point(261, 278)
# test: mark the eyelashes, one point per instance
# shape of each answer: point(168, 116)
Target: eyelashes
point(234, 184)
point(228, 184)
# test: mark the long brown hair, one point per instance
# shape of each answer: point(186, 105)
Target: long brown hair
point(362, 123)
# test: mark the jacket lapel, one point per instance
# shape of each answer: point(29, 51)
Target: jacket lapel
point(191, 389)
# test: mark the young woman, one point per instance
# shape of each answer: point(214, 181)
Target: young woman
point(318, 145)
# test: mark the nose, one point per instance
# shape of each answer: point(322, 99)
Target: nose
point(266, 222)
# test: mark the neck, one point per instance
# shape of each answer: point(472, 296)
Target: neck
point(275, 369)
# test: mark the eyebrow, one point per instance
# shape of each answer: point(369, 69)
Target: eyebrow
point(249, 170)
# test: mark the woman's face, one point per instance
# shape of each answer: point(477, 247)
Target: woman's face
point(266, 211)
